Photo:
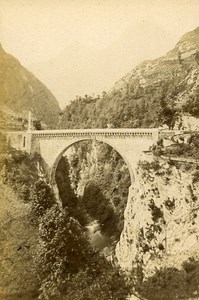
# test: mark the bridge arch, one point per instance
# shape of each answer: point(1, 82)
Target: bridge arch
point(51, 144)
point(65, 147)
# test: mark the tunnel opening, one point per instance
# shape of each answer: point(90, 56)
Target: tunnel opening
point(93, 182)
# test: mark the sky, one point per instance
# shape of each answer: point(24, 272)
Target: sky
point(38, 31)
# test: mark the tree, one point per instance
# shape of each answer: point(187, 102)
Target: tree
point(37, 124)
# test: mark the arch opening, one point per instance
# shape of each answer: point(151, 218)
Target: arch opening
point(61, 153)
point(97, 181)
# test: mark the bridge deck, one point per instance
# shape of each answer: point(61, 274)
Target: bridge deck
point(95, 132)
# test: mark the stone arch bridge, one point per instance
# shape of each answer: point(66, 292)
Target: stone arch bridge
point(51, 144)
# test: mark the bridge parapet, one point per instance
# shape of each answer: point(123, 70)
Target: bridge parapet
point(150, 133)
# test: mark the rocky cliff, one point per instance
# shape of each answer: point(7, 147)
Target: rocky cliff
point(21, 91)
point(161, 227)
point(100, 178)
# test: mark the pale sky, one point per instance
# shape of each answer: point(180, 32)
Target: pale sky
point(38, 30)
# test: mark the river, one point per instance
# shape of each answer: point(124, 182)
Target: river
point(98, 240)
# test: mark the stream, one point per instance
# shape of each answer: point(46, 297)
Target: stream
point(98, 240)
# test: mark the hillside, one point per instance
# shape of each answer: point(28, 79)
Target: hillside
point(154, 93)
point(21, 91)
point(45, 253)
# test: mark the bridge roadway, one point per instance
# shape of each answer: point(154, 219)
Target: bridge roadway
point(96, 132)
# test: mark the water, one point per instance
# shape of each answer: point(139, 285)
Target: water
point(98, 240)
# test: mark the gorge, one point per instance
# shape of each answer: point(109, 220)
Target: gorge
point(147, 214)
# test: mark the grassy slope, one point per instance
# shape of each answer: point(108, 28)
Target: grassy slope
point(18, 238)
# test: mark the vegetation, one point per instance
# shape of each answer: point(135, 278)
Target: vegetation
point(69, 267)
point(156, 212)
point(69, 199)
point(118, 110)
point(171, 283)
point(196, 176)
point(37, 124)
point(186, 150)
point(101, 172)
point(146, 165)
point(192, 105)
point(134, 104)
point(99, 208)
point(22, 91)
point(65, 264)
point(152, 94)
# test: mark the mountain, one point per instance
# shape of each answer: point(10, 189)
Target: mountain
point(21, 91)
point(156, 92)
point(82, 69)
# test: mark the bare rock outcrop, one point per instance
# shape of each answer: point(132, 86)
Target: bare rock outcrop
point(161, 227)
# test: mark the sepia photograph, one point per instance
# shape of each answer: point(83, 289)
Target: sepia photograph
point(99, 150)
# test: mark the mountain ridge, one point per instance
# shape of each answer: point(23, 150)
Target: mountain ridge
point(21, 91)
point(154, 93)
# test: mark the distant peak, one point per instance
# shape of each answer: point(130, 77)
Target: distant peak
point(191, 34)
point(1, 48)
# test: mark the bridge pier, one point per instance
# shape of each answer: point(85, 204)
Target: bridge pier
point(28, 142)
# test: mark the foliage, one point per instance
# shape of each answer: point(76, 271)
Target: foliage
point(192, 105)
point(3, 143)
point(156, 212)
point(98, 207)
point(20, 171)
point(196, 176)
point(130, 103)
point(41, 197)
point(186, 150)
point(170, 204)
point(67, 195)
point(68, 267)
point(37, 124)
point(17, 168)
point(102, 282)
point(149, 166)
point(65, 264)
point(166, 113)
point(61, 250)
point(105, 180)
point(171, 283)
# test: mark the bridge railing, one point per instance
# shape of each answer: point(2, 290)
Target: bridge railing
point(97, 130)
point(151, 133)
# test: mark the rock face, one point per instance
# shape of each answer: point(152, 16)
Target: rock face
point(101, 179)
point(161, 227)
point(169, 81)
point(21, 91)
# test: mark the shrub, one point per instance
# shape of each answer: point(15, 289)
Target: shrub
point(171, 283)
point(42, 197)
point(196, 176)
point(69, 268)
point(155, 211)
point(170, 204)
point(145, 165)
point(190, 265)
